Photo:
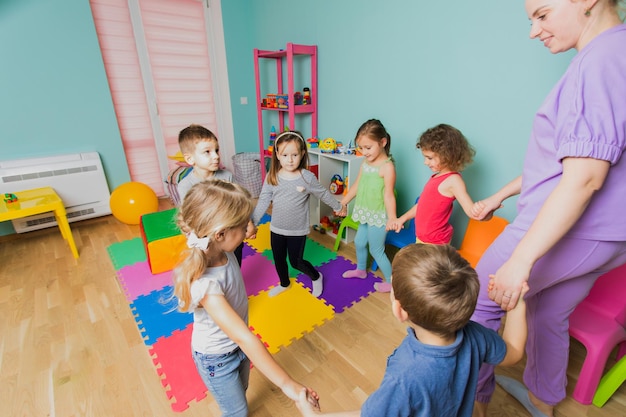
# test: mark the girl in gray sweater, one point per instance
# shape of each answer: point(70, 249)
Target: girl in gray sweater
point(287, 187)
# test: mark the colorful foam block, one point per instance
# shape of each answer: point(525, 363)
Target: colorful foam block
point(162, 240)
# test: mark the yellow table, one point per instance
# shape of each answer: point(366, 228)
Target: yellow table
point(39, 200)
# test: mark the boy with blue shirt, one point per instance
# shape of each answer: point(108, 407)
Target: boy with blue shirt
point(434, 371)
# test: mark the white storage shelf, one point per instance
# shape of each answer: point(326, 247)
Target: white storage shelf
point(329, 164)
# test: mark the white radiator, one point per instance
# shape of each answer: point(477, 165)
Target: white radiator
point(77, 178)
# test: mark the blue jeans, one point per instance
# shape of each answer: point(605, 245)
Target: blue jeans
point(226, 376)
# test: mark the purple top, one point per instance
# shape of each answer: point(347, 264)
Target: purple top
point(583, 116)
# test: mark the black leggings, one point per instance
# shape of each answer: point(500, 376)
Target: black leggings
point(239, 253)
point(294, 245)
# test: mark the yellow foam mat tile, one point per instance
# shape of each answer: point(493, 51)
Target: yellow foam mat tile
point(262, 241)
point(280, 320)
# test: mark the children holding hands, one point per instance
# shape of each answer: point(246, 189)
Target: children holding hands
point(434, 371)
point(434, 290)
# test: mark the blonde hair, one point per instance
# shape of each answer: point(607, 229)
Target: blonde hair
point(209, 207)
point(435, 286)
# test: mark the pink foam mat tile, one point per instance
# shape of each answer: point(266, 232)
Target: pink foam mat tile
point(137, 280)
point(258, 274)
point(179, 376)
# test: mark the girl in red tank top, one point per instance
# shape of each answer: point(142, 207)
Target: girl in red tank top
point(446, 152)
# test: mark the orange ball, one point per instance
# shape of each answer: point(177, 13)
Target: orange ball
point(132, 200)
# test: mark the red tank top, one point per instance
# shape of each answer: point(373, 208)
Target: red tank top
point(433, 213)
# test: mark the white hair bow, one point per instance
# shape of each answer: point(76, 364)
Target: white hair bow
point(194, 241)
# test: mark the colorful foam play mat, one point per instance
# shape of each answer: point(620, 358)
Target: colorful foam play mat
point(277, 321)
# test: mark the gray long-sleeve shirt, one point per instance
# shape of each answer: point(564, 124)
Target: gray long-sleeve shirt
point(290, 203)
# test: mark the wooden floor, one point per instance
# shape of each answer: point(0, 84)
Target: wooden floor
point(70, 345)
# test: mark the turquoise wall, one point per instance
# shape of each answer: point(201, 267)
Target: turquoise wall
point(54, 97)
point(412, 64)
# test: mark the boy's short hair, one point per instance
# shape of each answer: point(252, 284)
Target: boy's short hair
point(191, 135)
point(435, 286)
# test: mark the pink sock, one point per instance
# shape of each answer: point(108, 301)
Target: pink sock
point(355, 273)
point(382, 286)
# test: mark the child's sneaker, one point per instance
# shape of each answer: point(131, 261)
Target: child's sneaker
point(279, 289)
point(318, 286)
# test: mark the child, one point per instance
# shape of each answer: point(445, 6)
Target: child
point(375, 205)
point(446, 152)
point(434, 371)
point(201, 150)
point(215, 216)
point(287, 187)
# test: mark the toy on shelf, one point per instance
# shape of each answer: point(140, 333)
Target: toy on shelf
point(282, 101)
point(319, 228)
point(336, 184)
point(297, 98)
point(270, 148)
point(10, 198)
point(306, 96)
point(328, 225)
point(328, 145)
point(270, 101)
point(312, 142)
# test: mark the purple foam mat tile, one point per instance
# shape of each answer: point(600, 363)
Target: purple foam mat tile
point(258, 274)
point(137, 280)
point(247, 251)
point(339, 292)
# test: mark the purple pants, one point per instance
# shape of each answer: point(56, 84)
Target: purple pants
point(560, 280)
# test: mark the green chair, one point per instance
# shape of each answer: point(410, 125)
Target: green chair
point(346, 222)
point(610, 383)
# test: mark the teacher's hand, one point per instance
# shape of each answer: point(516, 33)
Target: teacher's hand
point(505, 287)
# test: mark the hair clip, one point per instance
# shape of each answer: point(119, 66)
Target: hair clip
point(194, 241)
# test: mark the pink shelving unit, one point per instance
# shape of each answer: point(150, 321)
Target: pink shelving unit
point(290, 113)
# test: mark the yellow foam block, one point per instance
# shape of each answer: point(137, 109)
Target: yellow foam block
point(262, 241)
point(164, 254)
point(288, 316)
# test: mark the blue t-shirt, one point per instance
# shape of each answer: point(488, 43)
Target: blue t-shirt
point(425, 380)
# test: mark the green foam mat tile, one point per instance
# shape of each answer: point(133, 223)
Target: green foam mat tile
point(126, 253)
